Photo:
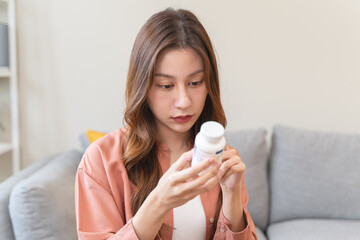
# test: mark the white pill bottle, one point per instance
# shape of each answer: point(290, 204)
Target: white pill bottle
point(209, 142)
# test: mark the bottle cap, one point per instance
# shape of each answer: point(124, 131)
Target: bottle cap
point(212, 130)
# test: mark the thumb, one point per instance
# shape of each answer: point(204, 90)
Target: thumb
point(183, 160)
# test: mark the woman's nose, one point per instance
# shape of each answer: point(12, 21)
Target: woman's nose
point(183, 99)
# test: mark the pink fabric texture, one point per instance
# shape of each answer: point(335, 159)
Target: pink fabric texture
point(103, 196)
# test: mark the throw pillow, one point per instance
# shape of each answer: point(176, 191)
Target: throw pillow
point(89, 137)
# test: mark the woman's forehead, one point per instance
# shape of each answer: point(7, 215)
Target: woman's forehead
point(179, 62)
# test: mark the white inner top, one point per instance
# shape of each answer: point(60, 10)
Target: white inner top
point(189, 221)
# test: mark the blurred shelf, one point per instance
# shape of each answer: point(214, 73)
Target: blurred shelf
point(8, 15)
point(5, 147)
point(4, 72)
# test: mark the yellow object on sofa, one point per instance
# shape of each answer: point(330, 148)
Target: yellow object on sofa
point(94, 135)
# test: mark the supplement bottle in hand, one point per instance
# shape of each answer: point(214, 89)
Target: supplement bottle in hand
point(209, 142)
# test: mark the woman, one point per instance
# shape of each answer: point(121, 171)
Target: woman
point(137, 182)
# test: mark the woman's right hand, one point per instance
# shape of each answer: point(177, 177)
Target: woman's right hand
point(178, 185)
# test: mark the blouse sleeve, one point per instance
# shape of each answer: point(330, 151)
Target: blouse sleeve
point(223, 228)
point(97, 214)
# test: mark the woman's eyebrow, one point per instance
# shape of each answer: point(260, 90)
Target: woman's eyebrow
point(169, 76)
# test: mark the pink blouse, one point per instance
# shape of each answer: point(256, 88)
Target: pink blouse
point(103, 196)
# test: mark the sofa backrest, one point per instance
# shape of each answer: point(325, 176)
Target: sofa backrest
point(251, 145)
point(314, 175)
point(42, 206)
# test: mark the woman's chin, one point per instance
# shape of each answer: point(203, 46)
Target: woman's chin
point(182, 128)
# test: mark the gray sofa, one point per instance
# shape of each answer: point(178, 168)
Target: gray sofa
point(306, 186)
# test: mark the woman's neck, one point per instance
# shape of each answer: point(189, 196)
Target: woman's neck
point(175, 141)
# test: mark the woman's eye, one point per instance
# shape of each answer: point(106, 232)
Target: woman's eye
point(195, 83)
point(167, 86)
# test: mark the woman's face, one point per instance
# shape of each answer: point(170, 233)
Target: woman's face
point(178, 93)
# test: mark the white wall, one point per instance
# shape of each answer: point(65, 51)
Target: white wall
point(289, 62)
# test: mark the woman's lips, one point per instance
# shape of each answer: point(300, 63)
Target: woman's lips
point(182, 119)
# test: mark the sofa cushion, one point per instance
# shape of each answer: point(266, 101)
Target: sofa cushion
point(260, 234)
point(5, 190)
point(42, 206)
point(314, 229)
point(251, 145)
point(314, 174)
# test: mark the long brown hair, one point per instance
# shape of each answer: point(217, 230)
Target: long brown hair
point(166, 29)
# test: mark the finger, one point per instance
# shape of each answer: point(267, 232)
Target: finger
point(182, 161)
point(239, 168)
point(194, 171)
point(205, 187)
point(228, 153)
point(211, 182)
point(226, 165)
point(200, 182)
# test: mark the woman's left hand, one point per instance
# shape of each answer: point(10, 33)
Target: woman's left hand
point(232, 170)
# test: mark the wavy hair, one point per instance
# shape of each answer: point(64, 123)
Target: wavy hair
point(167, 29)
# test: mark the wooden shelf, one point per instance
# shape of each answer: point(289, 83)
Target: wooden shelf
point(5, 147)
point(4, 72)
point(8, 15)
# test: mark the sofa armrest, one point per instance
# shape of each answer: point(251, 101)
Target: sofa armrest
point(42, 206)
point(5, 190)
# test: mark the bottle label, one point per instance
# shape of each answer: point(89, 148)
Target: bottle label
point(200, 156)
